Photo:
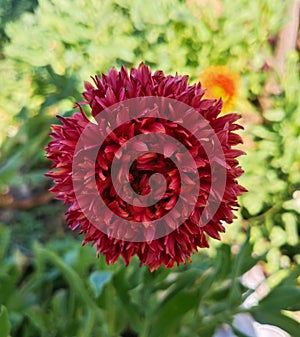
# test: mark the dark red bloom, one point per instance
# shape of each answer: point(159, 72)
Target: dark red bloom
point(177, 245)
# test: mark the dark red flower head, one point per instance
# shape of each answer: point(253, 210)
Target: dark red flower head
point(147, 123)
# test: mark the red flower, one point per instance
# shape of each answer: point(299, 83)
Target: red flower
point(179, 239)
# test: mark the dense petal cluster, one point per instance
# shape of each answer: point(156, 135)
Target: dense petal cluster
point(178, 245)
point(220, 81)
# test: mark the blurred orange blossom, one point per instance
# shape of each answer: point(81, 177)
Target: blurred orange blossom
point(221, 82)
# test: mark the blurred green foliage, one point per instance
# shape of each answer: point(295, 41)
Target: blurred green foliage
point(11, 10)
point(60, 289)
point(52, 51)
point(273, 173)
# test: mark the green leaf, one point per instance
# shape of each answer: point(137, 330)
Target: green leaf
point(224, 261)
point(4, 322)
point(242, 263)
point(183, 280)
point(122, 288)
point(281, 298)
point(38, 318)
point(220, 293)
point(4, 241)
point(263, 133)
point(244, 260)
point(168, 318)
point(61, 304)
point(8, 169)
point(291, 227)
point(274, 115)
point(206, 282)
point(277, 319)
point(207, 329)
point(278, 236)
point(292, 204)
point(253, 202)
point(98, 280)
point(70, 275)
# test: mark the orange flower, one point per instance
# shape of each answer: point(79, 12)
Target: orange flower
point(220, 81)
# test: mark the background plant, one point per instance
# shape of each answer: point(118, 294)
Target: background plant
point(55, 287)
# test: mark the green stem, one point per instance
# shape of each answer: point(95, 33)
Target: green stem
point(111, 312)
point(76, 285)
point(271, 210)
point(145, 330)
point(89, 324)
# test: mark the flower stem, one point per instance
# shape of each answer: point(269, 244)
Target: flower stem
point(111, 313)
point(145, 330)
